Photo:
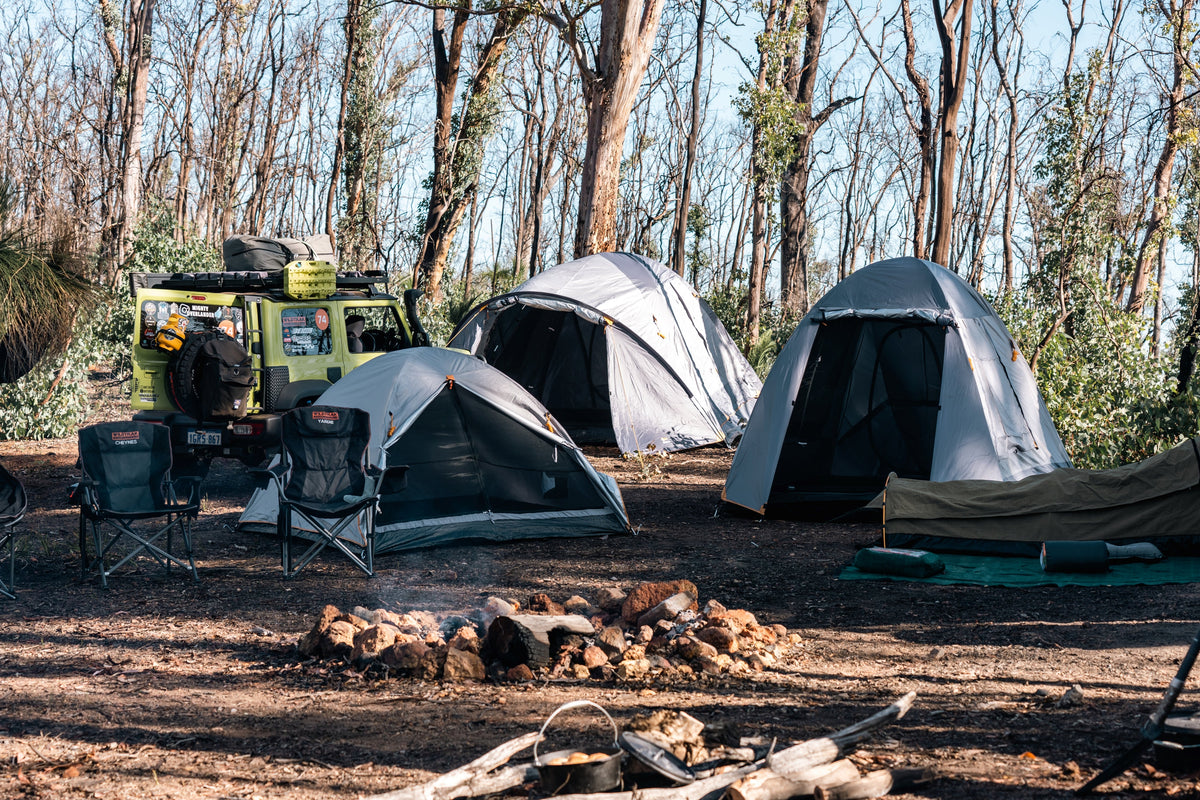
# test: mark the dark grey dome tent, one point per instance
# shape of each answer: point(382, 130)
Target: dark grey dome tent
point(486, 460)
point(621, 350)
point(902, 367)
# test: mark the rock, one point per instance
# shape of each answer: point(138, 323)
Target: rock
point(465, 639)
point(370, 642)
point(760, 661)
point(758, 634)
point(310, 643)
point(723, 639)
point(714, 665)
point(355, 620)
point(713, 608)
point(795, 639)
point(521, 672)
point(645, 633)
point(648, 595)
point(381, 616)
point(658, 644)
point(431, 662)
point(610, 599)
point(424, 620)
point(594, 656)
point(740, 668)
point(542, 604)
point(634, 652)
point(669, 609)
point(694, 649)
point(581, 671)
point(633, 669)
point(409, 625)
point(577, 605)
point(463, 665)
point(936, 654)
point(1071, 697)
point(684, 669)
point(496, 607)
point(660, 662)
point(338, 639)
point(405, 655)
point(780, 631)
point(663, 627)
point(737, 619)
point(363, 613)
point(612, 641)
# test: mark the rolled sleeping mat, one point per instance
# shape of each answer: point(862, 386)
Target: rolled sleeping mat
point(896, 561)
point(1074, 557)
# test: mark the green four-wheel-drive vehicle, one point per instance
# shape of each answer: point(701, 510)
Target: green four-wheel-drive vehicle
point(217, 357)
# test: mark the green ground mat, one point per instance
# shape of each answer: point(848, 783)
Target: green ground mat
point(1017, 571)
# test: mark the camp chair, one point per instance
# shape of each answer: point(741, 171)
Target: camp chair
point(127, 480)
point(324, 477)
point(12, 508)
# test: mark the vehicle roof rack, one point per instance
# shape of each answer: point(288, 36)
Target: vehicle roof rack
point(254, 282)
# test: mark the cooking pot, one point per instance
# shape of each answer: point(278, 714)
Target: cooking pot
point(597, 775)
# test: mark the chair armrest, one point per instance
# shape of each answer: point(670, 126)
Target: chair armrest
point(79, 493)
point(263, 476)
point(191, 484)
point(392, 478)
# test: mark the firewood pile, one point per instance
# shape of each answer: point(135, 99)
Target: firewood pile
point(815, 768)
point(654, 630)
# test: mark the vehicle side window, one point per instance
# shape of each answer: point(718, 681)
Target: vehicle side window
point(306, 331)
point(200, 317)
point(374, 329)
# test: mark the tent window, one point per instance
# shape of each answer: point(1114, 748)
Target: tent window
point(867, 406)
point(562, 360)
point(466, 457)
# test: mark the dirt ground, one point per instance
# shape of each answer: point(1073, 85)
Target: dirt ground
point(161, 688)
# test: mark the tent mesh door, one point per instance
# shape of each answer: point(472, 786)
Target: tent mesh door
point(561, 360)
point(867, 406)
point(466, 457)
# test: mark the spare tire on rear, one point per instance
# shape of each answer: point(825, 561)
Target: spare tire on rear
point(211, 377)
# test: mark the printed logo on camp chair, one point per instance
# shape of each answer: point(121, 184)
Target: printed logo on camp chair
point(126, 437)
point(325, 417)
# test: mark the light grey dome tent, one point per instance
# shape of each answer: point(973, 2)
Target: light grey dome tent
point(620, 349)
point(486, 460)
point(902, 367)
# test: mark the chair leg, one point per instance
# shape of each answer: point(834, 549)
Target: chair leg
point(9, 589)
point(99, 544)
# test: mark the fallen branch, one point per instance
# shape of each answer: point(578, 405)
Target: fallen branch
point(766, 784)
point(876, 784)
point(472, 780)
point(795, 761)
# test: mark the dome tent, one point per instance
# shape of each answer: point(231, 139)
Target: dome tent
point(486, 461)
point(902, 367)
point(620, 349)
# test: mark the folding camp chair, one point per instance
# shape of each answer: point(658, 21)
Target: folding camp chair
point(12, 508)
point(127, 480)
point(327, 484)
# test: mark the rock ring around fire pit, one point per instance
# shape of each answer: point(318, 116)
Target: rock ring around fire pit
point(574, 770)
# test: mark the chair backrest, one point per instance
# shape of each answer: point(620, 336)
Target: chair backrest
point(129, 463)
point(325, 449)
point(12, 498)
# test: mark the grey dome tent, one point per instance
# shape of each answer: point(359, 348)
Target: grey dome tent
point(486, 460)
point(902, 367)
point(620, 349)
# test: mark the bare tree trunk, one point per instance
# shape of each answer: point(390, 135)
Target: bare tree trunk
point(1179, 19)
point(924, 133)
point(469, 261)
point(458, 154)
point(796, 241)
point(955, 59)
point(627, 31)
point(683, 208)
point(1010, 155)
point(758, 181)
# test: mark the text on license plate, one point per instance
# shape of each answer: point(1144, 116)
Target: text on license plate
point(204, 437)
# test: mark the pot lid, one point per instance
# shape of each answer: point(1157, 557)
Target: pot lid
point(657, 758)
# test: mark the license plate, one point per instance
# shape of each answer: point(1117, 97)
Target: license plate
point(204, 437)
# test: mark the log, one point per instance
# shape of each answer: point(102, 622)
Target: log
point(794, 761)
point(766, 784)
point(876, 784)
point(692, 791)
point(526, 638)
point(472, 780)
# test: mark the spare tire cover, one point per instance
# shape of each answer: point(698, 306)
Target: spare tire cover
point(185, 371)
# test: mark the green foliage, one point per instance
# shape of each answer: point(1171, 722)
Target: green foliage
point(770, 110)
point(440, 319)
point(1110, 400)
point(775, 328)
